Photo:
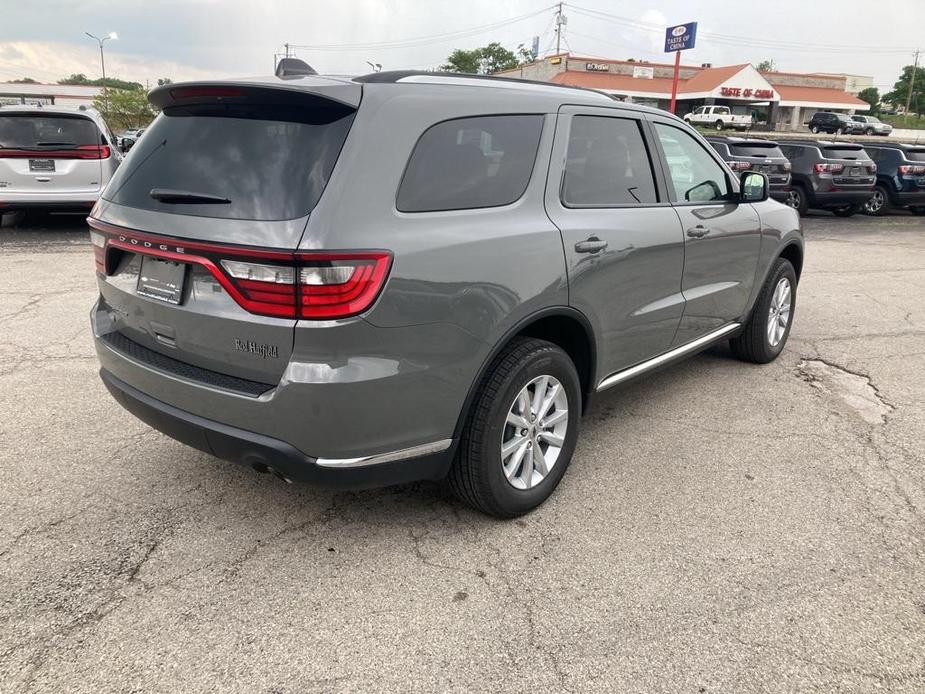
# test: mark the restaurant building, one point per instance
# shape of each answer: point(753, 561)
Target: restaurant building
point(778, 100)
point(47, 94)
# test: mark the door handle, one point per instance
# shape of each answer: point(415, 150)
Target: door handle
point(592, 245)
point(698, 232)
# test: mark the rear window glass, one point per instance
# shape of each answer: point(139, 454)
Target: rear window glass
point(30, 131)
point(915, 154)
point(607, 164)
point(271, 162)
point(750, 150)
point(471, 162)
point(838, 153)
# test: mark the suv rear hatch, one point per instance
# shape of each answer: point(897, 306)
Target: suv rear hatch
point(47, 152)
point(765, 157)
point(848, 163)
point(196, 235)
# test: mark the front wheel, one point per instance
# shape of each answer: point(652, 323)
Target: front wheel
point(796, 198)
point(521, 431)
point(719, 125)
point(879, 203)
point(768, 327)
point(814, 129)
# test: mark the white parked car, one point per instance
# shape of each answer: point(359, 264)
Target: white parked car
point(54, 157)
point(719, 117)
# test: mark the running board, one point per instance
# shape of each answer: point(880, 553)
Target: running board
point(626, 374)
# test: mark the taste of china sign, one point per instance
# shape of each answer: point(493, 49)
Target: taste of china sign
point(738, 92)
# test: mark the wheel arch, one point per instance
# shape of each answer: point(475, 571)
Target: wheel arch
point(563, 326)
point(793, 253)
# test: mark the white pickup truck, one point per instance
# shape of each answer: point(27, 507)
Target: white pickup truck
point(718, 117)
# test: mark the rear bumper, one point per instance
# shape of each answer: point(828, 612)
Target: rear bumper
point(13, 202)
point(840, 197)
point(268, 454)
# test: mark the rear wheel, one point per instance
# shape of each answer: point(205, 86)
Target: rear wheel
point(846, 211)
point(521, 431)
point(879, 203)
point(796, 198)
point(869, 131)
point(768, 327)
point(840, 131)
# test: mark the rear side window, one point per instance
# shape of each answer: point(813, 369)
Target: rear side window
point(270, 162)
point(915, 154)
point(35, 131)
point(607, 164)
point(467, 163)
point(756, 151)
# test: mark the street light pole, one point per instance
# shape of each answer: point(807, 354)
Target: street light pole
point(101, 41)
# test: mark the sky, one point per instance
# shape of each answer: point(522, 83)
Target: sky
point(198, 39)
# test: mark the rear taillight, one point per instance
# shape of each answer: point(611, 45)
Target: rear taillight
point(739, 165)
point(826, 167)
point(79, 152)
point(312, 285)
point(911, 169)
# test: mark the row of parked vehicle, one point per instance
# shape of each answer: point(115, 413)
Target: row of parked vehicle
point(843, 177)
point(845, 124)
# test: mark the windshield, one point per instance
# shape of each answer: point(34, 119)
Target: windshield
point(271, 162)
point(38, 131)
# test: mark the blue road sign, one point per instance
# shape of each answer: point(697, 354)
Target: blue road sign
point(680, 37)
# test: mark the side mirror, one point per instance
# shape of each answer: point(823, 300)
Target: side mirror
point(753, 186)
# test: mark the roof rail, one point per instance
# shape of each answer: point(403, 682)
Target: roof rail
point(294, 67)
point(390, 76)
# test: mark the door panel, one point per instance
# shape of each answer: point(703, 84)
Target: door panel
point(722, 239)
point(624, 248)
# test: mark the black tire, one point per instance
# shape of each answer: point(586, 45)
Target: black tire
point(869, 131)
point(797, 199)
point(846, 211)
point(719, 125)
point(11, 219)
point(476, 476)
point(814, 129)
point(883, 197)
point(752, 344)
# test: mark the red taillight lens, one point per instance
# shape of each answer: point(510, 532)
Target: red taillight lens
point(79, 152)
point(312, 285)
point(910, 169)
point(825, 167)
point(335, 286)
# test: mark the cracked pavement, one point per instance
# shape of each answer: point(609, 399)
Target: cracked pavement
point(724, 527)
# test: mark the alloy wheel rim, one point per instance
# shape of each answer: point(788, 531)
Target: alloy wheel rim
point(534, 432)
point(793, 199)
point(779, 313)
point(875, 202)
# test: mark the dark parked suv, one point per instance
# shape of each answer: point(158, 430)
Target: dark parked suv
point(836, 176)
point(900, 178)
point(410, 276)
point(756, 155)
point(833, 123)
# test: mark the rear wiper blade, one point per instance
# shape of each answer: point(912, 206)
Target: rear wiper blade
point(55, 144)
point(186, 197)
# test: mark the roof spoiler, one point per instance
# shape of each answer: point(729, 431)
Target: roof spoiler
point(293, 67)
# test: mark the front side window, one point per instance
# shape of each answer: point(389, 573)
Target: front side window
point(694, 174)
point(469, 163)
point(607, 164)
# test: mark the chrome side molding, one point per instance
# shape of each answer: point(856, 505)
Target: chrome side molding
point(629, 373)
point(378, 458)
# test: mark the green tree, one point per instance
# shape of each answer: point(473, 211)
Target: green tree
point(496, 58)
point(872, 96)
point(766, 66)
point(81, 79)
point(125, 108)
point(76, 78)
point(24, 80)
point(900, 92)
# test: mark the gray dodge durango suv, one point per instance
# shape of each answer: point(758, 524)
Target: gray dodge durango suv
point(408, 276)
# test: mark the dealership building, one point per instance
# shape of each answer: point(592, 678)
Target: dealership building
point(783, 100)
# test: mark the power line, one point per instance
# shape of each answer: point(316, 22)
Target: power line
point(730, 39)
point(421, 40)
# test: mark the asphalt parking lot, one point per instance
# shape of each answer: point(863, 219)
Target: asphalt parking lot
point(724, 527)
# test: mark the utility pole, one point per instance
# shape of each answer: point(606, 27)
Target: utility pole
point(915, 68)
point(561, 21)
